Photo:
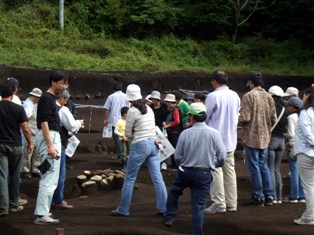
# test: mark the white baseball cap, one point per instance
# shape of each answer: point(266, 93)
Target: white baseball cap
point(291, 91)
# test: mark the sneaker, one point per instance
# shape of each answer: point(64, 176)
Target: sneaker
point(168, 223)
point(215, 210)
point(303, 221)
point(22, 201)
point(290, 200)
point(46, 220)
point(254, 202)
point(3, 213)
point(17, 209)
point(63, 205)
point(301, 200)
point(163, 166)
point(279, 202)
point(275, 201)
point(269, 201)
point(232, 209)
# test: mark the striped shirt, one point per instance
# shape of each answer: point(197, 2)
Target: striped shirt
point(140, 126)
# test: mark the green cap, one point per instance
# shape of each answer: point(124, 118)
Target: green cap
point(197, 108)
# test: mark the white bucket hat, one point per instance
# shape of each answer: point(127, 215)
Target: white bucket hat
point(36, 92)
point(276, 90)
point(291, 91)
point(133, 92)
point(170, 98)
point(155, 95)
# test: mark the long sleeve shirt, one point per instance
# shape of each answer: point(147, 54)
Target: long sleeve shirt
point(257, 115)
point(304, 133)
point(223, 106)
point(200, 146)
point(140, 126)
point(291, 123)
point(67, 120)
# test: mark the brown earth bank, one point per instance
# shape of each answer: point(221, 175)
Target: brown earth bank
point(91, 214)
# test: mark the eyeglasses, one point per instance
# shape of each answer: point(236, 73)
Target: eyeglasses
point(65, 85)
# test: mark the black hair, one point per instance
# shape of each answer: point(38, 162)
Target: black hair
point(7, 90)
point(140, 105)
point(201, 117)
point(200, 95)
point(310, 100)
point(58, 75)
point(220, 76)
point(279, 100)
point(117, 85)
point(124, 110)
point(177, 95)
point(256, 78)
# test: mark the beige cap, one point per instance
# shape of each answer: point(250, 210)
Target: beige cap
point(291, 91)
point(36, 92)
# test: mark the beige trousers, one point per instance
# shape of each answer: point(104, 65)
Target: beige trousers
point(223, 190)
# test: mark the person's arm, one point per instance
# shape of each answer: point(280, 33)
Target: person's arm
point(52, 151)
point(176, 118)
point(179, 150)
point(210, 104)
point(68, 120)
point(306, 127)
point(221, 152)
point(106, 113)
point(27, 134)
point(245, 110)
point(130, 120)
point(116, 129)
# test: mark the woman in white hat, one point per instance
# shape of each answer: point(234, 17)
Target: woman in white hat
point(140, 130)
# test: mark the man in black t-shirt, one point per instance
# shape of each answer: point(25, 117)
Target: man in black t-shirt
point(12, 118)
point(48, 145)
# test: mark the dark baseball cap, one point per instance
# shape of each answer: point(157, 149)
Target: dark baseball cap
point(14, 82)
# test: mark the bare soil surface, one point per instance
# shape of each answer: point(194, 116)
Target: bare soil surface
point(91, 214)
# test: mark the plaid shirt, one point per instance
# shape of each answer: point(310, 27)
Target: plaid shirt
point(257, 115)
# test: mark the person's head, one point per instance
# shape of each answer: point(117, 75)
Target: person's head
point(14, 83)
point(308, 98)
point(155, 97)
point(200, 97)
point(294, 104)
point(170, 100)
point(117, 85)
point(124, 111)
point(58, 81)
point(63, 97)
point(35, 94)
point(255, 79)
point(7, 90)
point(177, 95)
point(133, 94)
point(291, 92)
point(276, 91)
point(197, 112)
point(190, 98)
point(219, 78)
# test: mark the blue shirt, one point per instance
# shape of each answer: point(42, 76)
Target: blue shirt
point(200, 146)
point(304, 133)
point(223, 106)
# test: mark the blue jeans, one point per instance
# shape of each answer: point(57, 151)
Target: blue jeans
point(10, 168)
point(199, 183)
point(296, 189)
point(275, 151)
point(144, 150)
point(259, 173)
point(59, 192)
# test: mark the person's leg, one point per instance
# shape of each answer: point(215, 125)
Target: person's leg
point(176, 190)
point(230, 182)
point(26, 162)
point(59, 192)
point(294, 178)
point(116, 143)
point(138, 154)
point(252, 158)
point(278, 156)
point(48, 181)
point(153, 162)
point(173, 139)
point(267, 182)
point(4, 173)
point(200, 187)
point(306, 169)
point(35, 160)
point(217, 191)
point(271, 160)
point(15, 163)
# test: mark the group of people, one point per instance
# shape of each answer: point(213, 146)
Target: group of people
point(204, 135)
point(46, 124)
point(203, 132)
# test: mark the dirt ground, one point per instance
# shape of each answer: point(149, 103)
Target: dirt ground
point(91, 214)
